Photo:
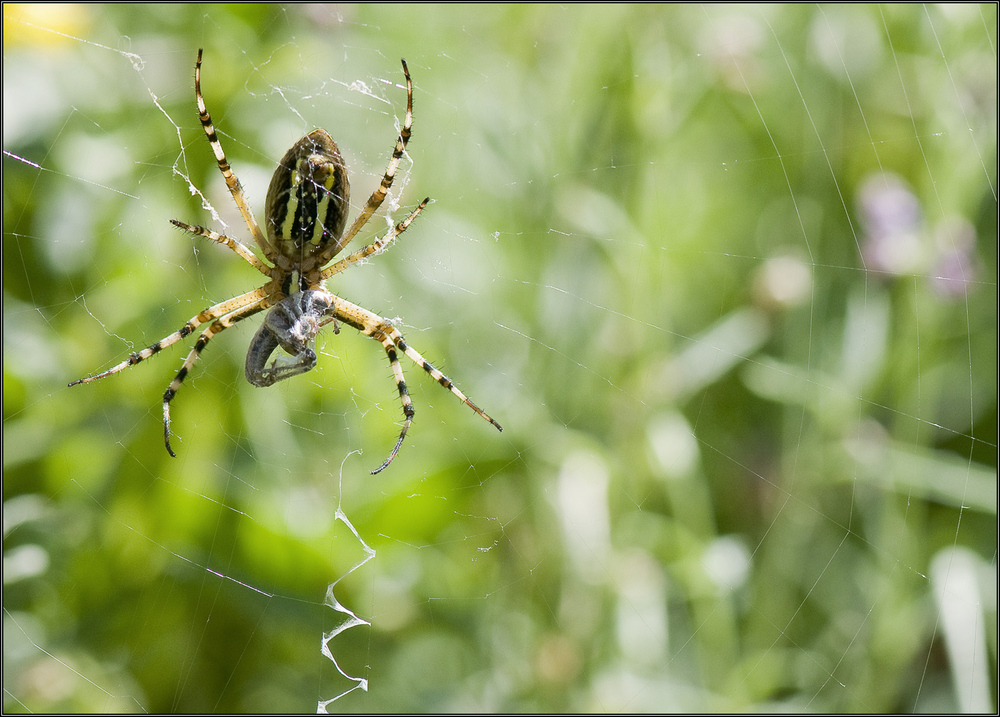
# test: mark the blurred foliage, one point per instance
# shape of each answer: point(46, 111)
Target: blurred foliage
point(726, 275)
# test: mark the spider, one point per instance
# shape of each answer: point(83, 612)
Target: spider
point(305, 214)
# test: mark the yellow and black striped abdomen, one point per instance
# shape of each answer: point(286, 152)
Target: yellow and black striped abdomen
point(308, 199)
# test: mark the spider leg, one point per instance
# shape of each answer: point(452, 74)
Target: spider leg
point(251, 298)
point(216, 328)
point(375, 246)
point(426, 365)
point(237, 246)
point(376, 327)
point(379, 195)
point(235, 188)
point(404, 397)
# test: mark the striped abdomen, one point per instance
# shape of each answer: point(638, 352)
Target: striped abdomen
point(307, 201)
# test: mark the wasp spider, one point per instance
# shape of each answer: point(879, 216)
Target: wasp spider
point(305, 215)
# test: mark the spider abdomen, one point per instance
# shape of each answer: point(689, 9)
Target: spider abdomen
point(308, 198)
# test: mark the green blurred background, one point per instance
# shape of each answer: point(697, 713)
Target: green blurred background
point(726, 275)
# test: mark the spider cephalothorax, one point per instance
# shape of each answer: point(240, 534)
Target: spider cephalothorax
point(305, 214)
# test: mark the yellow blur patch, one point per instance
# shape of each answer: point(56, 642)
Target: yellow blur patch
point(40, 24)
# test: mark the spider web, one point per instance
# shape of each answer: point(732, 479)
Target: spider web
point(726, 275)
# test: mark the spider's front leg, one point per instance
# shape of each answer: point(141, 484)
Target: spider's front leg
point(374, 326)
point(292, 324)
